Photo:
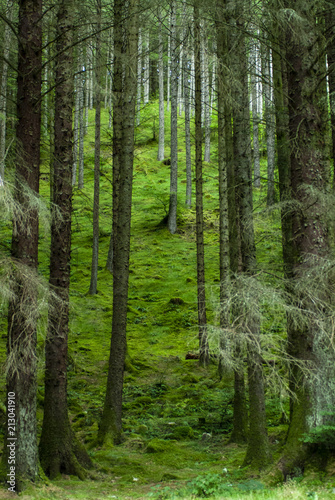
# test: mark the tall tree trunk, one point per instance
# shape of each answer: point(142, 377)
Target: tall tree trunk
point(187, 122)
point(255, 113)
point(168, 76)
point(81, 131)
point(172, 219)
point(330, 35)
point(270, 123)
point(258, 451)
point(139, 78)
point(76, 129)
point(205, 98)
point(160, 155)
point(308, 344)
point(111, 421)
point(146, 73)
point(22, 310)
point(98, 67)
point(3, 89)
point(59, 451)
point(202, 320)
point(228, 233)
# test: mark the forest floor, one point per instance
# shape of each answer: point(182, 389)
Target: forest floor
point(177, 415)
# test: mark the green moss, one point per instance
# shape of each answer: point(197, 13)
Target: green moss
point(159, 445)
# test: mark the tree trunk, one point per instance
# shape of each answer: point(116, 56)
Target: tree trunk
point(308, 344)
point(59, 450)
point(3, 89)
point(160, 155)
point(258, 451)
point(202, 320)
point(76, 129)
point(255, 112)
point(23, 310)
point(205, 98)
point(146, 73)
point(139, 79)
point(330, 25)
point(111, 422)
point(81, 123)
point(228, 230)
point(187, 122)
point(270, 125)
point(172, 219)
point(95, 247)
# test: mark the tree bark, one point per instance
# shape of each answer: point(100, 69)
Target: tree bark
point(308, 344)
point(58, 448)
point(202, 320)
point(255, 113)
point(95, 247)
point(160, 155)
point(270, 125)
point(258, 451)
point(111, 422)
point(3, 89)
point(187, 121)
point(172, 218)
point(23, 310)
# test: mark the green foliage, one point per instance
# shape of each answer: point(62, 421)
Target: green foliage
point(208, 485)
point(323, 435)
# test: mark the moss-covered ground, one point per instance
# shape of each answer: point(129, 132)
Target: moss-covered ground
point(177, 415)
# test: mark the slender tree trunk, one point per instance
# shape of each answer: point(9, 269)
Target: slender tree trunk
point(95, 247)
point(255, 114)
point(146, 73)
point(3, 89)
point(206, 108)
point(76, 130)
point(228, 233)
point(139, 78)
point(187, 126)
point(202, 320)
point(168, 77)
point(160, 155)
point(270, 123)
point(258, 451)
point(111, 422)
point(330, 25)
point(22, 310)
point(172, 219)
point(81, 124)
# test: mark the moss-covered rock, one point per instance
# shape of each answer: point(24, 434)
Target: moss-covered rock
point(157, 445)
point(182, 432)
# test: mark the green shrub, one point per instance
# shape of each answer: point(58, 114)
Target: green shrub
point(323, 435)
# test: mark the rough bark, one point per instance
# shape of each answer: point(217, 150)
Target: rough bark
point(308, 344)
point(255, 113)
point(172, 218)
point(187, 124)
point(3, 89)
point(160, 155)
point(270, 125)
point(201, 283)
point(22, 310)
point(228, 235)
point(111, 422)
point(58, 448)
point(330, 34)
point(95, 246)
point(81, 130)
point(258, 451)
